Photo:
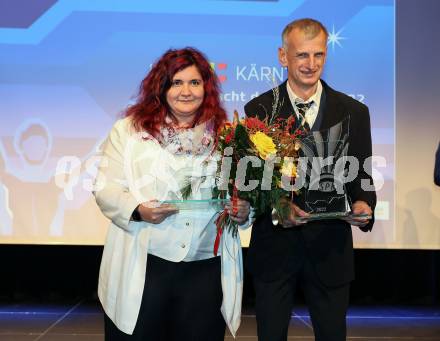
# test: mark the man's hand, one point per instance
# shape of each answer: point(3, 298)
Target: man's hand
point(155, 213)
point(359, 207)
point(239, 213)
point(295, 212)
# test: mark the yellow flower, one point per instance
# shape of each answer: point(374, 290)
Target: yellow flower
point(263, 143)
point(289, 169)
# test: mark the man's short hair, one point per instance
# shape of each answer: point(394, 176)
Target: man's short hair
point(310, 27)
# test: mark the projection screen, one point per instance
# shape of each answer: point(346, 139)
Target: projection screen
point(70, 68)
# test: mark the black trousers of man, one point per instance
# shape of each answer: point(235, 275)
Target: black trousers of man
point(274, 301)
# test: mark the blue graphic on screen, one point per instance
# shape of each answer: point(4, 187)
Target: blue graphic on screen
point(69, 69)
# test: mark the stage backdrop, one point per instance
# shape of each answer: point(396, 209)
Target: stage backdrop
point(70, 67)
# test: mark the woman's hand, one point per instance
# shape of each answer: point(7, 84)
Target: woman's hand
point(239, 213)
point(155, 213)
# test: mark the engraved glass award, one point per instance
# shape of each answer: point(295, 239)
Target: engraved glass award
point(323, 171)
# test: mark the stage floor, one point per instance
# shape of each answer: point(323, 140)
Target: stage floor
point(83, 321)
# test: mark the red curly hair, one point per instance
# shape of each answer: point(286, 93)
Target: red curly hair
point(151, 107)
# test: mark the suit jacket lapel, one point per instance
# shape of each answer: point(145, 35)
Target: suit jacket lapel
point(286, 108)
point(318, 121)
point(334, 111)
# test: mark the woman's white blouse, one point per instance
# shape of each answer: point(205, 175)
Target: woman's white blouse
point(132, 171)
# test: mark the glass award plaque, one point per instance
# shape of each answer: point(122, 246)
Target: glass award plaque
point(203, 204)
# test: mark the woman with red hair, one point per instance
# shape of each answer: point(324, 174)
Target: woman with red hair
point(159, 278)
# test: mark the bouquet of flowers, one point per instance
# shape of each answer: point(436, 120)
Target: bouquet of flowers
point(272, 148)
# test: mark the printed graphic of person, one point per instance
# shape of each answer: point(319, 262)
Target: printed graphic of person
point(29, 196)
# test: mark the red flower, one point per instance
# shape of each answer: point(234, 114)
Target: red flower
point(229, 137)
point(290, 122)
point(255, 123)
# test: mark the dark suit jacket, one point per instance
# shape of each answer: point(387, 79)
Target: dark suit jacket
point(437, 167)
point(276, 251)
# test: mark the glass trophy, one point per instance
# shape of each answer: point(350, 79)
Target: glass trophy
point(322, 166)
point(322, 171)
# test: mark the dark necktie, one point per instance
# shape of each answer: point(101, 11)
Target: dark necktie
point(302, 109)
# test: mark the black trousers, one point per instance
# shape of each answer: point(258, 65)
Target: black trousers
point(327, 305)
point(181, 301)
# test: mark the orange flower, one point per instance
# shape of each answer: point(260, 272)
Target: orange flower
point(236, 119)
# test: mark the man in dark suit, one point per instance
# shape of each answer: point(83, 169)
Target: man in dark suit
point(318, 255)
point(437, 167)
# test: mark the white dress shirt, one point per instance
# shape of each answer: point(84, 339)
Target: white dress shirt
point(133, 171)
point(312, 112)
